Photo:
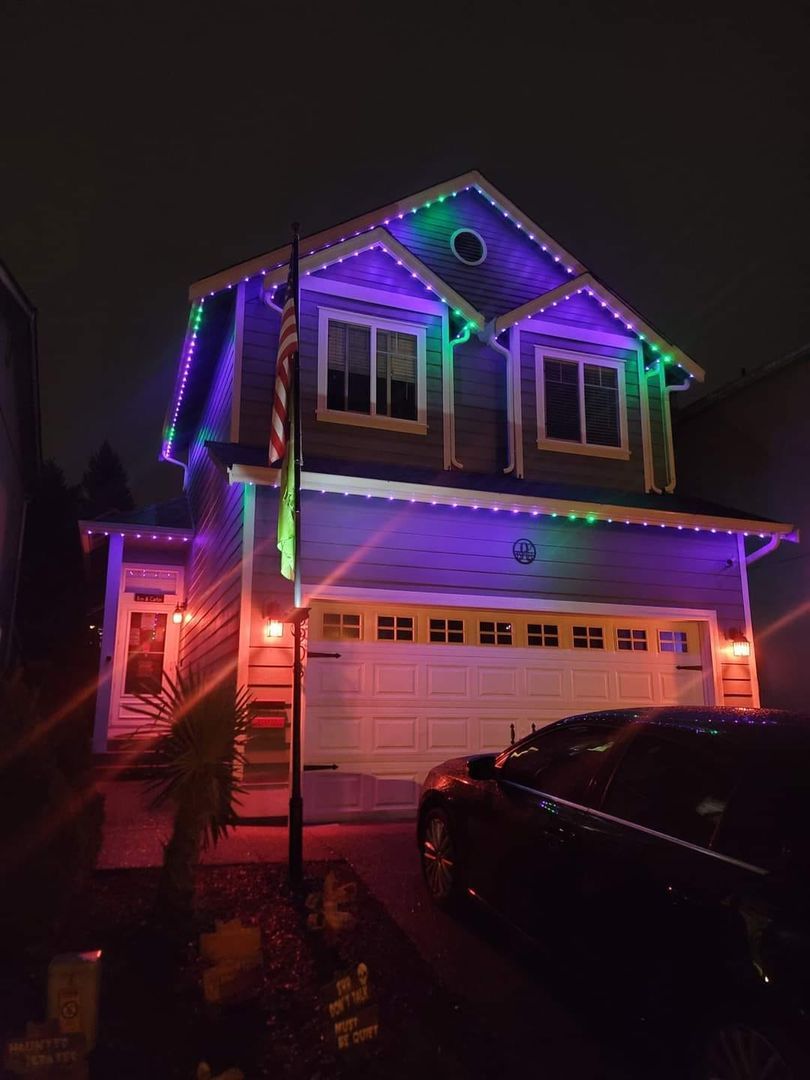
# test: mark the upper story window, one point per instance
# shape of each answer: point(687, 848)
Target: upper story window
point(371, 372)
point(581, 404)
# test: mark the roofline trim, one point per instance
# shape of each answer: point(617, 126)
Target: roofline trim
point(590, 512)
point(279, 256)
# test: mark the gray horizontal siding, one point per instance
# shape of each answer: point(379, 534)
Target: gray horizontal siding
point(514, 271)
point(580, 468)
point(209, 642)
point(376, 270)
point(479, 375)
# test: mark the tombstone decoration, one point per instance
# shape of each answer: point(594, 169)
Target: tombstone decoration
point(46, 1053)
point(325, 907)
point(234, 954)
point(353, 1019)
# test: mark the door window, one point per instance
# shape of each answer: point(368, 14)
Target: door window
point(561, 761)
point(675, 781)
point(145, 649)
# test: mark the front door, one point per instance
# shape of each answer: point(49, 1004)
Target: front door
point(147, 642)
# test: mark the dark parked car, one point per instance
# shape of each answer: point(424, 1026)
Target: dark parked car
point(670, 848)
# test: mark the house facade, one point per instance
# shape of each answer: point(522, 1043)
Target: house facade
point(20, 453)
point(748, 442)
point(490, 537)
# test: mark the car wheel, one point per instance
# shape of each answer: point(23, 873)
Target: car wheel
point(740, 1052)
point(439, 863)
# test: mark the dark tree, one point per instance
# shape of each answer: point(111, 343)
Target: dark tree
point(105, 485)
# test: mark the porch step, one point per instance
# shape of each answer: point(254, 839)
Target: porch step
point(126, 759)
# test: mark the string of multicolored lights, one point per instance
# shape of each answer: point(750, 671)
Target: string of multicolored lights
point(189, 345)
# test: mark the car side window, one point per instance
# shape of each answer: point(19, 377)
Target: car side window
point(561, 761)
point(674, 780)
point(768, 819)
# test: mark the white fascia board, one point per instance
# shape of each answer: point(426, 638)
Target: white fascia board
point(151, 532)
point(382, 239)
point(401, 491)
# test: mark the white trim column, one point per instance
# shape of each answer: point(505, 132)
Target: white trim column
point(115, 562)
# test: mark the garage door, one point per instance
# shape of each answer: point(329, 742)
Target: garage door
point(414, 686)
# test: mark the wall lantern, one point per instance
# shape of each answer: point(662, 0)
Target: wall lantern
point(273, 627)
point(740, 645)
point(178, 614)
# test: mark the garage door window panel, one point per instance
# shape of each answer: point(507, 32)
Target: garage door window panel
point(494, 633)
point(395, 628)
point(588, 637)
point(447, 631)
point(631, 640)
point(340, 626)
point(562, 761)
point(543, 635)
point(674, 782)
point(673, 641)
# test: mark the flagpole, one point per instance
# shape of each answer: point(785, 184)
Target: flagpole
point(296, 809)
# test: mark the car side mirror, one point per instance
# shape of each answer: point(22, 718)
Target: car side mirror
point(481, 767)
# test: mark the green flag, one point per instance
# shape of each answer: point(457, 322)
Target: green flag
point(286, 513)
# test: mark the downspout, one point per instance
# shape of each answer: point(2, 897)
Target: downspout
point(182, 464)
point(766, 549)
point(488, 336)
point(669, 452)
point(463, 337)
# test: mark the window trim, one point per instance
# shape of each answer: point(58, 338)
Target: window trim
point(567, 446)
point(372, 419)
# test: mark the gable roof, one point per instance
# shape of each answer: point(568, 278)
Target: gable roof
point(736, 386)
point(271, 260)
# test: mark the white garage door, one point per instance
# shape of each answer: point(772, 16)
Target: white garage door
point(414, 686)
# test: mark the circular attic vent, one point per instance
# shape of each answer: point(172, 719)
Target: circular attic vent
point(468, 247)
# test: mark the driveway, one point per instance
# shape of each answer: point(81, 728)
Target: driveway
point(494, 977)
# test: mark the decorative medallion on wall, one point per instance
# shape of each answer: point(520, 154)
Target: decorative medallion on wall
point(524, 551)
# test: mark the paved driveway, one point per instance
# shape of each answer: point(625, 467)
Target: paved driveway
point(495, 978)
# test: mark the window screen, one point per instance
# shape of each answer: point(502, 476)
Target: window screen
point(561, 387)
point(561, 761)
point(675, 781)
point(601, 388)
point(348, 381)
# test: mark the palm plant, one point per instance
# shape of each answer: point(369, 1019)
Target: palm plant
point(199, 732)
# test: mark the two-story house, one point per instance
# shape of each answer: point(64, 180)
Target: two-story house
point(489, 535)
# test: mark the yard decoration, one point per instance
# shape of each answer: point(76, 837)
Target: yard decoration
point(46, 1053)
point(199, 725)
point(235, 954)
point(353, 1016)
point(324, 907)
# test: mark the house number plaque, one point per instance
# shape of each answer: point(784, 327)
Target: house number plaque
point(524, 551)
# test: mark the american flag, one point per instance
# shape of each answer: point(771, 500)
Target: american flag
point(287, 349)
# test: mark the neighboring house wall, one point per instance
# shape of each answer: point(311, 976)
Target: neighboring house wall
point(210, 640)
point(19, 442)
point(751, 448)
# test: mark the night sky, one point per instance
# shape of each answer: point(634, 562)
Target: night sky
point(147, 145)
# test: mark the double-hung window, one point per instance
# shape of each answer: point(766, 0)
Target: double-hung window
point(581, 404)
point(371, 372)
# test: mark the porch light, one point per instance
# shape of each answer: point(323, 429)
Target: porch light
point(177, 614)
point(740, 645)
point(273, 628)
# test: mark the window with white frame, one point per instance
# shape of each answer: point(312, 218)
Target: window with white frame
point(672, 641)
point(448, 631)
point(545, 635)
point(371, 371)
point(588, 637)
point(395, 628)
point(581, 404)
point(341, 626)
point(494, 633)
point(631, 640)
